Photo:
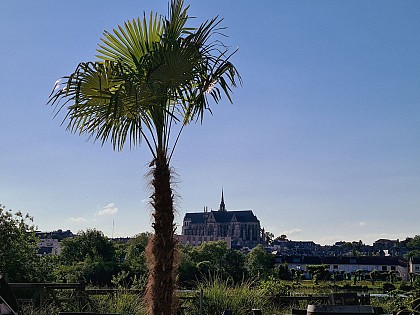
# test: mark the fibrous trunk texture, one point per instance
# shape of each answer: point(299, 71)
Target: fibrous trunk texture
point(161, 248)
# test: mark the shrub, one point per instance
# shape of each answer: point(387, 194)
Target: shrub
point(387, 287)
point(18, 254)
point(404, 286)
point(121, 302)
point(220, 295)
point(272, 288)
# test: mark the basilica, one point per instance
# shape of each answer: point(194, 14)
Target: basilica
point(239, 228)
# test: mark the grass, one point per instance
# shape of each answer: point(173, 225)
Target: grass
point(122, 302)
point(219, 295)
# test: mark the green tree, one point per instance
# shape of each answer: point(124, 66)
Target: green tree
point(211, 259)
point(233, 265)
point(416, 281)
point(134, 261)
point(259, 263)
point(318, 272)
point(357, 276)
point(411, 277)
point(273, 289)
point(414, 243)
point(188, 270)
point(373, 276)
point(153, 74)
point(92, 244)
point(216, 258)
point(268, 238)
point(282, 272)
point(135, 257)
point(392, 275)
point(296, 275)
point(213, 252)
point(18, 253)
point(89, 256)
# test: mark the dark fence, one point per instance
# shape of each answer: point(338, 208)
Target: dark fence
point(38, 294)
point(41, 294)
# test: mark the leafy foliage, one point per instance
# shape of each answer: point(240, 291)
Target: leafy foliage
point(135, 257)
point(282, 272)
point(18, 259)
point(414, 246)
point(318, 272)
point(151, 74)
point(90, 244)
point(273, 288)
point(208, 259)
point(259, 263)
point(414, 243)
point(89, 256)
point(134, 268)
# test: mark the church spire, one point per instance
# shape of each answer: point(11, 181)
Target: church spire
point(222, 203)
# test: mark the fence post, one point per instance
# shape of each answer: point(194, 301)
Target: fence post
point(201, 301)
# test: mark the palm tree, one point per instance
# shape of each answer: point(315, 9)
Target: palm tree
point(153, 77)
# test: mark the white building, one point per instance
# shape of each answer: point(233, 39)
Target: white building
point(48, 246)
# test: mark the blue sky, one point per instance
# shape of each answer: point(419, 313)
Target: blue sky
point(322, 141)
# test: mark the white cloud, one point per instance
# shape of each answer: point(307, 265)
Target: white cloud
point(109, 209)
point(292, 232)
point(78, 220)
point(355, 224)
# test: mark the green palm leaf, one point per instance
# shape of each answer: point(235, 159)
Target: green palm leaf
point(131, 42)
point(152, 73)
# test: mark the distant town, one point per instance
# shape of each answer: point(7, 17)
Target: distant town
point(241, 230)
point(50, 244)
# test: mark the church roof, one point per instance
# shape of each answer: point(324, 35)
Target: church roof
point(222, 216)
point(196, 217)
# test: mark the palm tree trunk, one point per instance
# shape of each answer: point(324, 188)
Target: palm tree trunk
point(161, 247)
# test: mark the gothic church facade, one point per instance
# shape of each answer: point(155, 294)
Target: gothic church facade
point(240, 227)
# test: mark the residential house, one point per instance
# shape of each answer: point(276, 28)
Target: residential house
point(348, 264)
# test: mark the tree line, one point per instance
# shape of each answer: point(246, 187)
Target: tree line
point(92, 257)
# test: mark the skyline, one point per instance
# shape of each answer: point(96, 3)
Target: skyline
point(322, 141)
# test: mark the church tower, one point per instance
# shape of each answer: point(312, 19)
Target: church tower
point(222, 203)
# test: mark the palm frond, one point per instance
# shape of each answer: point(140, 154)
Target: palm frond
point(105, 103)
point(131, 42)
point(175, 23)
point(153, 73)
